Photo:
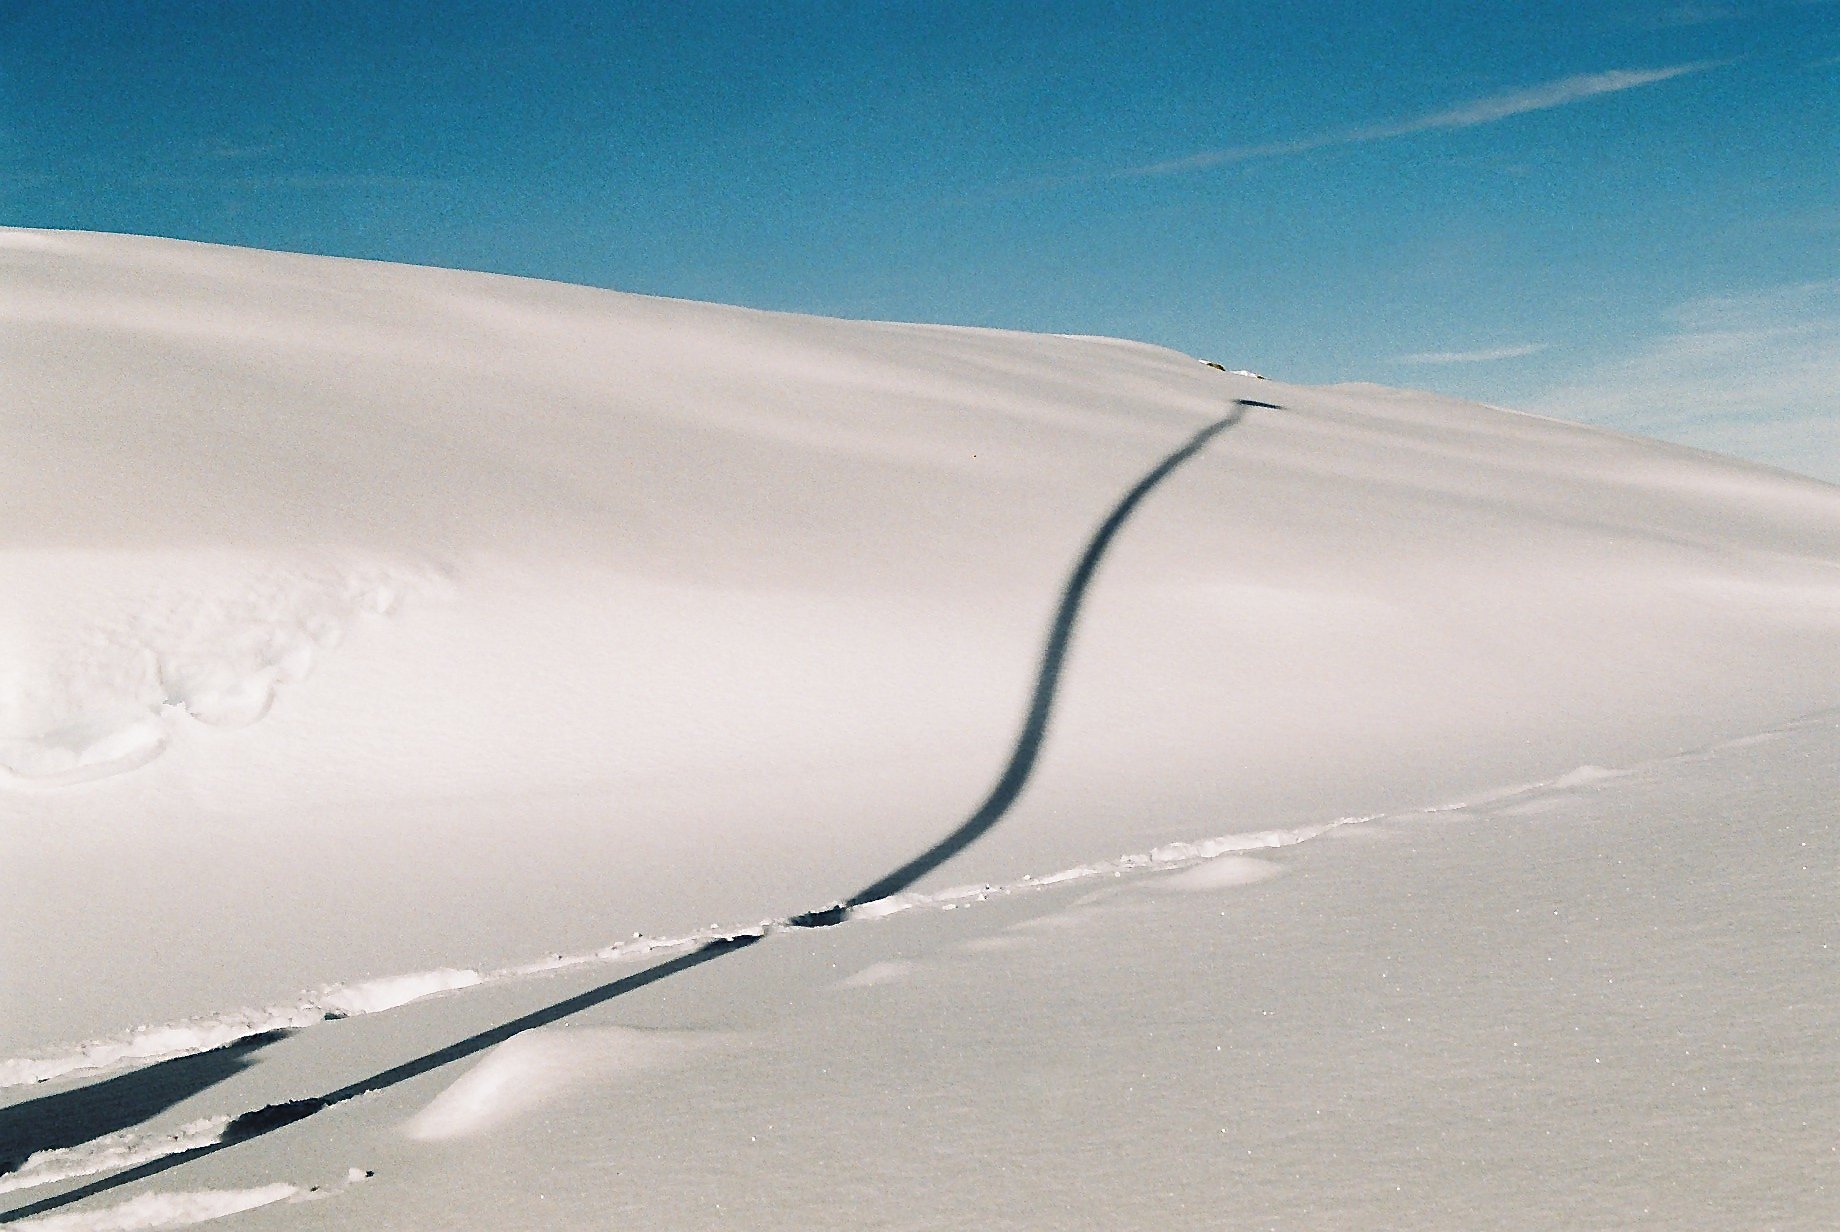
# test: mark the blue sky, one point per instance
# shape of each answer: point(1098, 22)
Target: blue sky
point(1622, 212)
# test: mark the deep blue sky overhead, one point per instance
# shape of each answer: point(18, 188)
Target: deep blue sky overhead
point(1623, 212)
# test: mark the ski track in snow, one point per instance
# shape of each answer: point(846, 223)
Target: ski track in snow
point(166, 1210)
point(152, 1211)
point(111, 1153)
point(1210, 863)
point(148, 1044)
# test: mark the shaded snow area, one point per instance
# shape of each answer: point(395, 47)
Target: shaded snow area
point(479, 751)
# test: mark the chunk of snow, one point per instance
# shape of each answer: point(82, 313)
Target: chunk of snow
point(387, 993)
point(1221, 873)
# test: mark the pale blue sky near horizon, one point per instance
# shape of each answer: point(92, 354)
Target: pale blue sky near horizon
point(1627, 213)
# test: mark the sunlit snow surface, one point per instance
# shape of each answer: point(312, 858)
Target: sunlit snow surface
point(389, 654)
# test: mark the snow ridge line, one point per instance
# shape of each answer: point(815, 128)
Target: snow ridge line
point(148, 1044)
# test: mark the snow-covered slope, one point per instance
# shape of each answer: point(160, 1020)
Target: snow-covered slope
point(585, 614)
point(371, 631)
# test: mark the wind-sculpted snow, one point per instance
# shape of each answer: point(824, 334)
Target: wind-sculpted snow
point(762, 598)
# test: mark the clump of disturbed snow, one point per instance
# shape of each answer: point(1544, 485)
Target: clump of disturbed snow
point(1168, 856)
point(389, 992)
point(118, 649)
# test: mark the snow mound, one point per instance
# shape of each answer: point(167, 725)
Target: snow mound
point(1584, 775)
point(532, 1069)
point(887, 972)
point(1222, 873)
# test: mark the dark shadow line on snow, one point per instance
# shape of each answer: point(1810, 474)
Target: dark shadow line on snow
point(1008, 787)
point(1034, 731)
point(276, 1116)
point(70, 1118)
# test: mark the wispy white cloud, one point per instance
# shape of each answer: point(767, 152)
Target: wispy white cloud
point(1485, 110)
point(1756, 375)
point(1487, 355)
point(1536, 98)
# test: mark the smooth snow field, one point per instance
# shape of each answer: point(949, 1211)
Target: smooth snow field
point(478, 752)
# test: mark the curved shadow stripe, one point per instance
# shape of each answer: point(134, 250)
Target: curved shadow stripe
point(267, 1120)
point(1034, 732)
point(1009, 786)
